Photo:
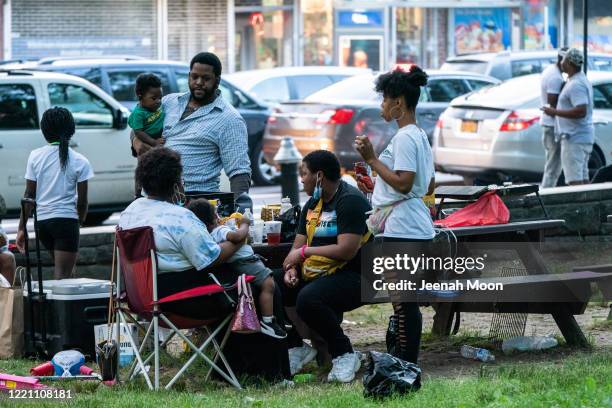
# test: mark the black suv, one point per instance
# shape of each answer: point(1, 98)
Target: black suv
point(117, 76)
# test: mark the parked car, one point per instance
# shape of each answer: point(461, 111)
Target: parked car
point(331, 118)
point(505, 65)
point(117, 76)
point(101, 135)
point(290, 83)
point(494, 134)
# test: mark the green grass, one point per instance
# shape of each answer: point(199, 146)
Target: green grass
point(580, 380)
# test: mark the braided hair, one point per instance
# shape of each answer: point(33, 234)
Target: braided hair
point(57, 126)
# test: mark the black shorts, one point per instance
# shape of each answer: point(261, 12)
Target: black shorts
point(59, 234)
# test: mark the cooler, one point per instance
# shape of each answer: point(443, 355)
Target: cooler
point(73, 308)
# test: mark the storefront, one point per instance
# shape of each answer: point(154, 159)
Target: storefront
point(264, 33)
point(386, 32)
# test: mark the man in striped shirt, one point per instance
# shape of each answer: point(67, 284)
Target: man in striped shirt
point(207, 131)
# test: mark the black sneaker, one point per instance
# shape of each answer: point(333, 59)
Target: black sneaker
point(273, 329)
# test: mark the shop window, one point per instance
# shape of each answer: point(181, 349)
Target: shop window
point(18, 107)
point(318, 32)
point(272, 89)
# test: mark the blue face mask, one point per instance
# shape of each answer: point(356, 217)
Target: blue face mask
point(316, 194)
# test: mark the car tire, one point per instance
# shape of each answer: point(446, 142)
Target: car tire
point(263, 174)
point(96, 218)
point(596, 161)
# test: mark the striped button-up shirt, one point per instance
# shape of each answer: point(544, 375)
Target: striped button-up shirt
point(212, 138)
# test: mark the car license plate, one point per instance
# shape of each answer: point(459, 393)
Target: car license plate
point(469, 126)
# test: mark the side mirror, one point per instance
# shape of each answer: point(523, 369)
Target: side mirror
point(120, 119)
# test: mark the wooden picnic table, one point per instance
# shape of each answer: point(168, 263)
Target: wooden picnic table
point(520, 231)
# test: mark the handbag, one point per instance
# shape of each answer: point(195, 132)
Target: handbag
point(316, 265)
point(11, 321)
point(245, 318)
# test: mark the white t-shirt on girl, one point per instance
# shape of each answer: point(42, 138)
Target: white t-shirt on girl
point(409, 150)
point(56, 189)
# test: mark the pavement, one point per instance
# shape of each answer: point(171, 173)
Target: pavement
point(260, 196)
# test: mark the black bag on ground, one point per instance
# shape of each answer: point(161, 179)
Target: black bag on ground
point(386, 375)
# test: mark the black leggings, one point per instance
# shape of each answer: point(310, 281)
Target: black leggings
point(410, 320)
point(321, 302)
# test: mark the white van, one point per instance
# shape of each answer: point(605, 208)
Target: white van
point(101, 135)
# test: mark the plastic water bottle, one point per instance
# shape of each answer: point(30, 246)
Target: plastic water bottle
point(528, 343)
point(476, 353)
point(285, 205)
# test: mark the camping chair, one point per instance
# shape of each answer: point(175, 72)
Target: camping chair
point(137, 271)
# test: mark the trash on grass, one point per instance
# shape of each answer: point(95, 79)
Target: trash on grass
point(386, 375)
point(528, 343)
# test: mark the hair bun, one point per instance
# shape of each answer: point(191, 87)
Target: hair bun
point(417, 76)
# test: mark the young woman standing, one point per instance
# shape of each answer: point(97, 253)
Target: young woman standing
point(405, 174)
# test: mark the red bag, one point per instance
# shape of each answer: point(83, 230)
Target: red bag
point(489, 209)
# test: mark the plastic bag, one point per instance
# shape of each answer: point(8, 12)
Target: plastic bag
point(290, 220)
point(489, 209)
point(386, 375)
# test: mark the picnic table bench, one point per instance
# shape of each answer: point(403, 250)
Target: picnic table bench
point(539, 278)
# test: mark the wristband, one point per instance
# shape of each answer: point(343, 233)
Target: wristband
point(302, 252)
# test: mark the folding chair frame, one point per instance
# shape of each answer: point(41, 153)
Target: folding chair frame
point(139, 364)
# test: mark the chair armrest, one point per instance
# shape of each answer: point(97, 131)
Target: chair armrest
point(205, 290)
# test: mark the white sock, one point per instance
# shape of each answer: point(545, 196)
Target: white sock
point(267, 319)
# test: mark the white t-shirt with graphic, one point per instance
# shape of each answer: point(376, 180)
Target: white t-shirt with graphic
point(409, 150)
point(219, 234)
point(181, 239)
point(56, 189)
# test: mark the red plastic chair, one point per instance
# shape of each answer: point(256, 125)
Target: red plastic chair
point(137, 271)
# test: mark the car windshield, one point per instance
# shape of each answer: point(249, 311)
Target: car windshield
point(479, 67)
point(360, 87)
point(517, 91)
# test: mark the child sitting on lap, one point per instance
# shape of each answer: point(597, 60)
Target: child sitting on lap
point(244, 261)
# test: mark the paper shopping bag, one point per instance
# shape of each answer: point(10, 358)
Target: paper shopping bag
point(11, 322)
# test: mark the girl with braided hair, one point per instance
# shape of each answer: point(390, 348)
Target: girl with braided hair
point(56, 177)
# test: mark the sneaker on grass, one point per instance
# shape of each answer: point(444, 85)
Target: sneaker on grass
point(344, 368)
point(272, 329)
point(300, 356)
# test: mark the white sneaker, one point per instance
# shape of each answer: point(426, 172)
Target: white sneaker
point(344, 368)
point(299, 357)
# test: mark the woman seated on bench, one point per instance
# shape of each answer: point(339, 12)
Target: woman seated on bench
point(183, 245)
point(333, 226)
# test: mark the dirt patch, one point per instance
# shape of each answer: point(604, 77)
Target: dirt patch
point(441, 358)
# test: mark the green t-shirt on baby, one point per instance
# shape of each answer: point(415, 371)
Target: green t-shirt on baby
point(152, 123)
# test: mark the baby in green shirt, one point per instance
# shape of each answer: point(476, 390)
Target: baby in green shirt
point(147, 119)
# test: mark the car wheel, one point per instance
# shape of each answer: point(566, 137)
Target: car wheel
point(596, 161)
point(264, 174)
point(96, 218)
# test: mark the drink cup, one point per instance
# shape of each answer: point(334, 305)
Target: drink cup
point(274, 232)
point(258, 231)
